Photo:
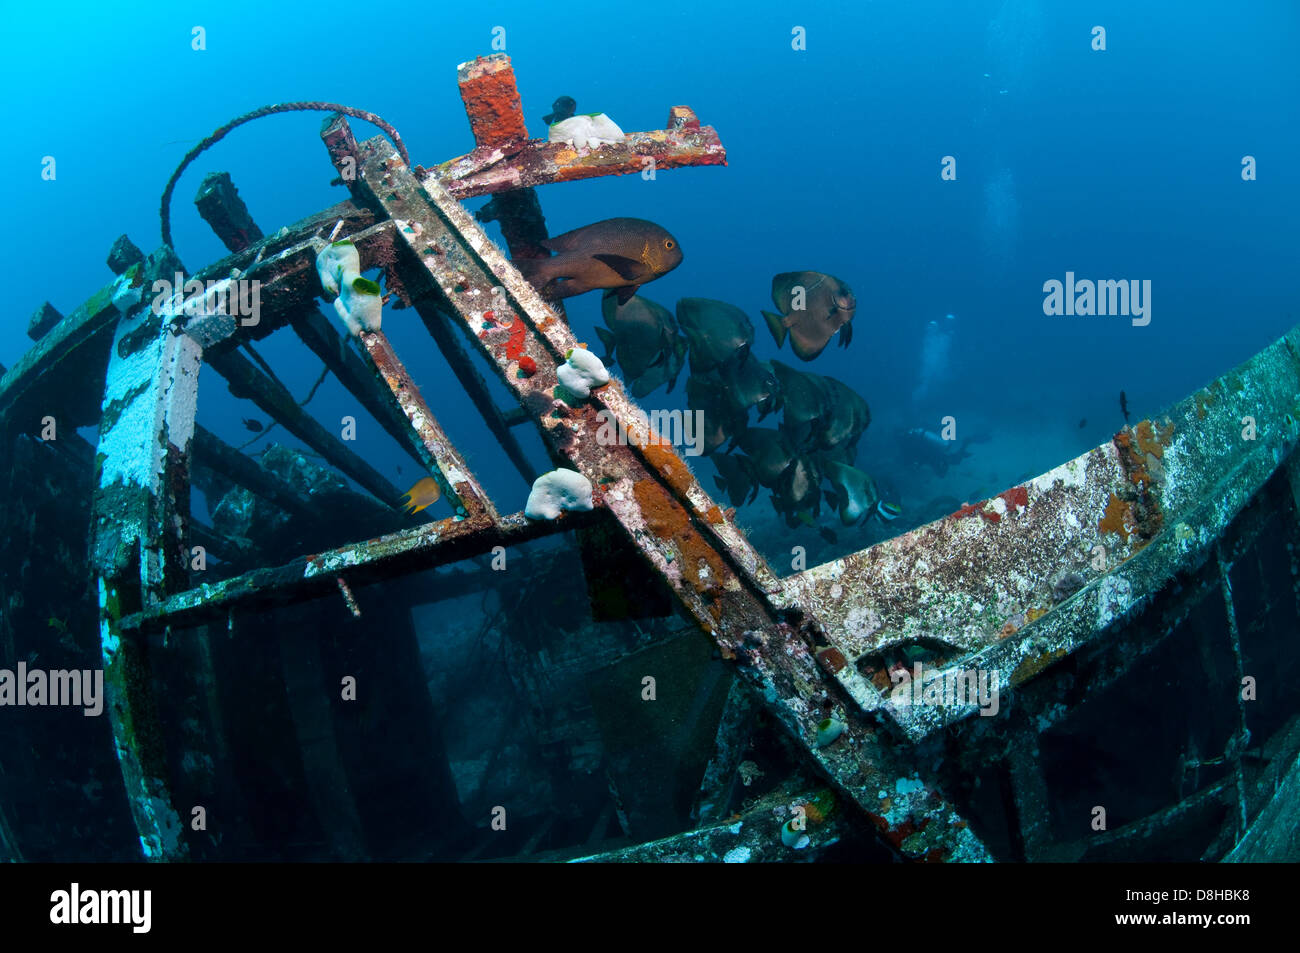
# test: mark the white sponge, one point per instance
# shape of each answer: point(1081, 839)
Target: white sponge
point(556, 492)
point(358, 304)
point(591, 131)
point(582, 371)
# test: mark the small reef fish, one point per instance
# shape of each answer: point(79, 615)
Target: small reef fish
point(253, 425)
point(1083, 422)
point(642, 337)
point(810, 318)
point(425, 493)
point(853, 493)
point(1123, 405)
point(888, 511)
point(620, 254)
point(720, 334)
point(561, 109)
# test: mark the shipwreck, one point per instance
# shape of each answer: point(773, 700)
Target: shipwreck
point(1136, 607)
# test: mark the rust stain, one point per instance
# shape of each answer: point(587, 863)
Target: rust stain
point(1016, 498)
point(832, 659)
point(667, 520)
point(1118, 519)
point(1032, 665)
point(670, 466)
point(1152, 439)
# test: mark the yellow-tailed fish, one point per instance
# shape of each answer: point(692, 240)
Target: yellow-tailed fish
point(425, 493)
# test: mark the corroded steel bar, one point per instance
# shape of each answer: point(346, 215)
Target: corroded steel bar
point(219, 203)
point(445, 336)
point(314, 330)
point(89, 328)
point(537, 162)
point(411, 550)
point(247, 381)
point(338, 138)
point(452, 472)
point(487, 87)
point(656, 500)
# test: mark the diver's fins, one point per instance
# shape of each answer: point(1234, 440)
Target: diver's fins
point(776, 324)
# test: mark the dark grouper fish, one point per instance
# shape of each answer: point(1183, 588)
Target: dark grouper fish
point(642, 336)
point(828, 306)
point(619, 253)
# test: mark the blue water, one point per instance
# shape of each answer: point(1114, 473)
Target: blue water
point(1117, 164)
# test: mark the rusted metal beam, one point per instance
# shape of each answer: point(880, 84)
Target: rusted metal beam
point(496, 118)
point(219, 203)
point(506, 160)
point(123, 255)
point(314, 330)
point(62, 372)
point(445, 336)
point(449, 467)
point(487, 87)
point(411, 550)
point(537, 162)
point(247, 381)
